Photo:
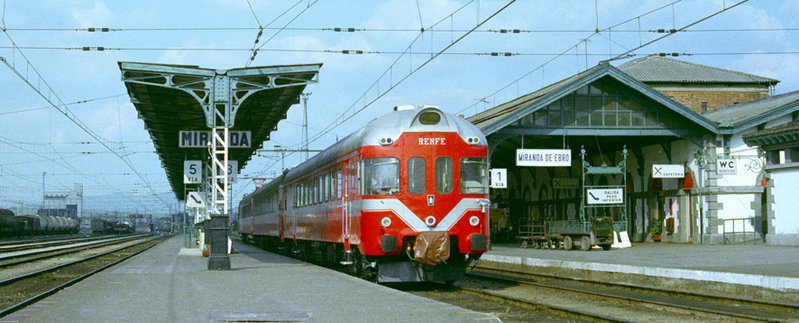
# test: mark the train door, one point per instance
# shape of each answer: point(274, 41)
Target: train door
point(299, 196)
point(345, 203)
point(282, 211)
point(350, 191)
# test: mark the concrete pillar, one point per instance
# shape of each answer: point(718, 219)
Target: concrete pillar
point(684, 225)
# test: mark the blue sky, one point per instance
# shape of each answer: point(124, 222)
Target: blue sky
point(36, 139)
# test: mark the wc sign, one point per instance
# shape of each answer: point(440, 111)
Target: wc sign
point(726, 166)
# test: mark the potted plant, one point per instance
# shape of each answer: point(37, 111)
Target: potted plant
point(655, 230)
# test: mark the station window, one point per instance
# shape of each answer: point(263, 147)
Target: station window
point(380, 176)
point(416, 175)
point(474, 175)
point(444, 175)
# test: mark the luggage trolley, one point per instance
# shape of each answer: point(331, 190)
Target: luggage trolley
point(596, 229)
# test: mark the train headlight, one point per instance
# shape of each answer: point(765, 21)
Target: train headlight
point(385, 141)
point(473, 140)
point(386, 222)
point(430, 221)
point(474, 221)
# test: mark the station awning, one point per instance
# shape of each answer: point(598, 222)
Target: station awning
point(167, 98)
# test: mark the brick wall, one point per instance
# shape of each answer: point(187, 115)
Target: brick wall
point(714, 99)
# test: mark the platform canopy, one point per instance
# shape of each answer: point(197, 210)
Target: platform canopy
point(174, 98)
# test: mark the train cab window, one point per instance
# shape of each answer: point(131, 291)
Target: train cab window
point(474, 175)
point(380, 176)
point(429, 118)
point(444, 175)
point(416, 175)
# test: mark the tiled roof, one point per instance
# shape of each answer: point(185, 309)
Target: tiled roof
point(734, 115)
point(789, 127)
point(652, 69)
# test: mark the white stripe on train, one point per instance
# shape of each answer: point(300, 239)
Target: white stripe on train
point(412, 220)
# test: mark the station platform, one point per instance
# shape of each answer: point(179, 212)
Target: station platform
point(767, 272)
point(171, 284)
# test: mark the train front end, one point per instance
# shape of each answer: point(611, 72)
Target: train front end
point(424, 188)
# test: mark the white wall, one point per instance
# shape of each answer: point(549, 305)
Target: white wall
point(786, 204)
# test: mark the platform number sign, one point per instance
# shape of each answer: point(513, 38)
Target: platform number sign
point(232, 170)
point(499, 178)
point(192, 172)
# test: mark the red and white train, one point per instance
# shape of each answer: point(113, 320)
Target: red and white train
point(403, 199)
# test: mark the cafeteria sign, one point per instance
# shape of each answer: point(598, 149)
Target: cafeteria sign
point(544, 157)
point(668, 171)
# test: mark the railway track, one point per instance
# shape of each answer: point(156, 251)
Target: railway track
point(25, 289)
point(10, 240)
point(32, 252)
point(616, 302)
point(34, 244)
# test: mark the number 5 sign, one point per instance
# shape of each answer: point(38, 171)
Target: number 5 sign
point(192, 172)
point(499, 178)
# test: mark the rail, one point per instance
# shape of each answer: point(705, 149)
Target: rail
point(71, 278)
point(702, 306)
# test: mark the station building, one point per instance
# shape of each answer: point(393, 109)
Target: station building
point(736, 143)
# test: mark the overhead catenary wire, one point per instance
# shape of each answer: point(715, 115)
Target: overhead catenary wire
point(261, 27)
point(508, 30)
point(62, 162)
point(68, 104)
point(389, 71)
point(64, 110)
point(342, 120)
point(255, 51)
point(356, 52)
point(335, 123)
point(622, 55)
point(253, 14)
point(567, 50)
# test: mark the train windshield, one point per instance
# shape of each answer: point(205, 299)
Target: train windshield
point(443, 175)
point(474, 175)
point(416, 175)
point(380, 176)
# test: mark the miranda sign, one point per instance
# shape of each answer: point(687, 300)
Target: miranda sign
point(544, 157)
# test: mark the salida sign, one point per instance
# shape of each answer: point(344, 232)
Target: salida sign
point(199, 139)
